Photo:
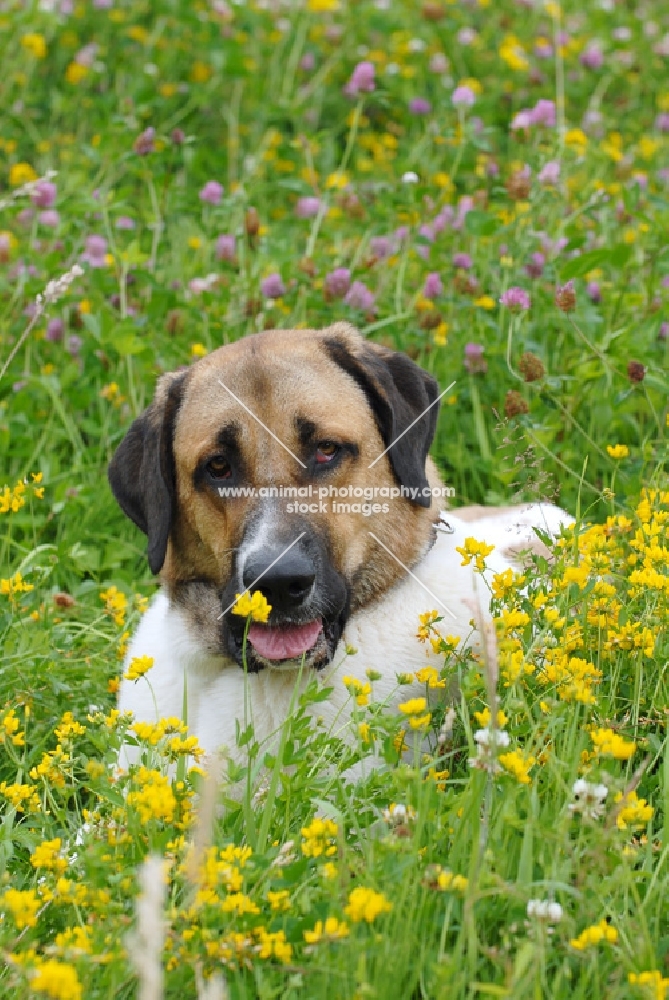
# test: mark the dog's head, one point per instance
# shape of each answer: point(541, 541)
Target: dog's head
point(282, 418)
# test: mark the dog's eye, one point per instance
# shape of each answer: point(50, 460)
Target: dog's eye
point(326, 451)
point(218, 468)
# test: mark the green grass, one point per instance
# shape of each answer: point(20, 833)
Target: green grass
point(272, 128)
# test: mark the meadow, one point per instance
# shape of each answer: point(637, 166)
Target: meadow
point(485, 186)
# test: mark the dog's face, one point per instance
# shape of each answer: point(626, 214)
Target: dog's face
point(270, 415)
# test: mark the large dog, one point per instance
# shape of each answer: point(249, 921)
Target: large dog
point(346, 564)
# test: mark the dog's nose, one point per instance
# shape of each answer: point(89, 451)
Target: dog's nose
point(285, 582)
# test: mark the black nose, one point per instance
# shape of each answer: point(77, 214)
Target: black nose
point(285, 582)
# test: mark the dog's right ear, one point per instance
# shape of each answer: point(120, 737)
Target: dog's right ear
point(142, 473)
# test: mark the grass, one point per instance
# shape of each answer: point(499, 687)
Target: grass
point(437, 877)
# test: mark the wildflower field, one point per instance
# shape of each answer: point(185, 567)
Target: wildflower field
point(485, 186)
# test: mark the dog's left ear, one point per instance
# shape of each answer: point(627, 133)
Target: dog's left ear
point(142, 473)
point(400, 394)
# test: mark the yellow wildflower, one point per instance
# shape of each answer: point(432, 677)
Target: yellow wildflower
point(612, 744)
point(594, 935)
point(331, 930)
point(56, 980)
point(23, 906)
point(21, 173)
point(252, 604)
point(366, 904)
point(474, 550)
point(618, 450)
point(35, 44)
point(518, 765)
point(139, 665)
point(319, 838)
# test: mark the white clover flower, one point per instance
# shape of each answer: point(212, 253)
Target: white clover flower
point(545, 911)
point(589, 799)
point(410, 177)
point(488, 742)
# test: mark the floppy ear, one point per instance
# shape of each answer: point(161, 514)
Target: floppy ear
point(142, 473)
point(400, 394)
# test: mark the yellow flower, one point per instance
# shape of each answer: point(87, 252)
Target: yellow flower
point(612, 744)
point(517, 765)
point(338, 180)
point(68, 727)
point(485, 302)
point(593, 935)
point(15, 585)
point(319, 838)
point(366, 904)
point(56, 980)
point(75, 73)
point(474, 550)
point(35, 44)
point(633, 811)
point(254, 605)
point(279, 900)
point(47, 855)
point(448, 881)
point(139, 665)
point(430, 676)
point(618, 450)
point(200, 72)
point(274, 944)
point(654, 980)
point(359, 689)
point(415, 706)
point(577, 139)
point(420, 721)
point(21, 173)
point(154, 798)
point(9, 729)
point(23, 906)
point(331, 930)
point(198, 350)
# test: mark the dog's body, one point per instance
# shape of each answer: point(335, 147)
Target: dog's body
point(383, 636)
point(302, 409)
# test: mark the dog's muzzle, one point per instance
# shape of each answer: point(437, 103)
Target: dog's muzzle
point(308, 600)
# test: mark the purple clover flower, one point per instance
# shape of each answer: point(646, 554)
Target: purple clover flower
point(433, 286)
point(516, 299)
point(49, 218)
point(535, 266)
point(44, 193)
point(550, 173)
point(419, 106)
point(360, 297)
point(54, 330)
point(226, 247)
point(463, 97)
point(337, 283)
point(361, 80)
point(273, 287)
point(381, 246)
point(462, 261)
point(307, 208)
point(96, 249)
point(212, 193)
point(473, 360)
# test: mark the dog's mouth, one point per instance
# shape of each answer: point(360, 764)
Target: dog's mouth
point(288, 641)
point(285, 645)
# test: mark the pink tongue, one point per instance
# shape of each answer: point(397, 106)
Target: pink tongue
point(284, 642)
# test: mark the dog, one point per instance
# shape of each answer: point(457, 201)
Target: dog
point(303, 414)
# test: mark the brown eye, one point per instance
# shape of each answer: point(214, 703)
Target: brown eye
point(218, 468)
point(326, 451)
